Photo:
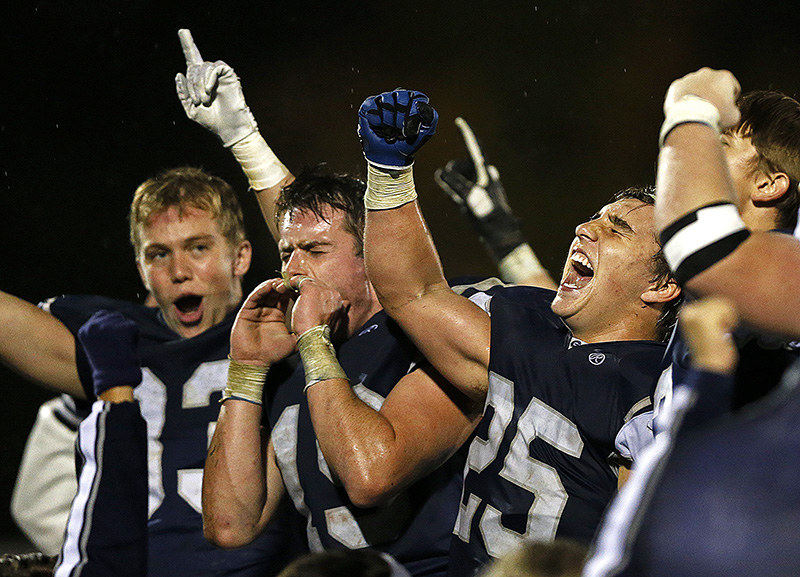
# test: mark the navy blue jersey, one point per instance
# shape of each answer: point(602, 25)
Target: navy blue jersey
point(181, 386)
point(739, 507)
point(107, 527)
point(695, 401)
point(542, 462)
point(415, 527)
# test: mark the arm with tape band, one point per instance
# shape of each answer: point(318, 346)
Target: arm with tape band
point(319, 356)
point(211, 95)
point(700, 239)
point(245, 382)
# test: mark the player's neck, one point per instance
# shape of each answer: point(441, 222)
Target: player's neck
point(630, 330)
point(357, 318)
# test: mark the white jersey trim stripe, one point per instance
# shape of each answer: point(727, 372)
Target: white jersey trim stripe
point(91, 437)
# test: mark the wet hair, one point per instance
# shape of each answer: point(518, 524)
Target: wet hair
point(317, 190)
point(771, 121)
point(27, 565)
point(339, 563)
point(187, 187)
point(659, 266)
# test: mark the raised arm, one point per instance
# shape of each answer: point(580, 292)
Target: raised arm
point(242, 486)
point(375, 451)
point(211, 95)
point(401, 259)
point(107, 529)
point(475, 187)
point(705, 241)
point(38, 346)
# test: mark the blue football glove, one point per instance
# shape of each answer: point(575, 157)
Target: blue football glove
point(110, 341)
point(393, 126)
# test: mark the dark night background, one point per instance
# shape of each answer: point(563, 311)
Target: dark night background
point(565, 97)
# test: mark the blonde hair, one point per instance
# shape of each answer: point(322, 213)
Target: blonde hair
point(187, 187)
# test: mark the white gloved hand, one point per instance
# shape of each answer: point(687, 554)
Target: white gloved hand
point(212, 96)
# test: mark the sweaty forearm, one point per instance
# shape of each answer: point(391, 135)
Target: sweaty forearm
point(234, 479)
point(692, 173)
point(359, 444)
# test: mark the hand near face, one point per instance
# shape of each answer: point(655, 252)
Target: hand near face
point(719, 87)
point(317, 305)
point(260, 335)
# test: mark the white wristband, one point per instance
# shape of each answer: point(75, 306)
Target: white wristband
point(689, 108)
point(389, 189)
point(258, 162)
point(520, 264)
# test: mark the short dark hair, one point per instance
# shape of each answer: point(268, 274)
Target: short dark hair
point(660, 266)
point(316, 188)
point(339, 563)
point(771, 120)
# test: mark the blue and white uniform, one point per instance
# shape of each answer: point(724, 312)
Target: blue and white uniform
point(415, 527)
point(179, 397)
point(543, 462)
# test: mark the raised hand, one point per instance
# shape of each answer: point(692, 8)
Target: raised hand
point(394, 125)
point(475, 186)
point(719, 87)
point(211, 95)
point(110, 341)
point(260, 335)
point(316, 305)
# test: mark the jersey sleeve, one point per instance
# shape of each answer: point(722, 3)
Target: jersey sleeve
point(107, 525)
point(637, 389)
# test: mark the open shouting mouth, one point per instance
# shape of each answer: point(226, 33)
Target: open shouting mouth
point(189, 309)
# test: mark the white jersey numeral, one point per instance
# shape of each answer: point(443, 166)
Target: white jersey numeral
point(549, 496)
point(207, 379)
point(339, 521)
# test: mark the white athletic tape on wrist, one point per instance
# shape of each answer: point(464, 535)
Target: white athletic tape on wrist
point(389, 189)
point(258, 162)
point(520, 264)
point(319, 356)
point(245, 382)
point(689, 108)
point(698, 240)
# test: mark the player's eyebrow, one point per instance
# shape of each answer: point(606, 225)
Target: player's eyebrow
point(198, 238)
point(305, 245)
point(620, 222)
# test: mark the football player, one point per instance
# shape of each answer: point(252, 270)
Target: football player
point(762, 153)
point(716, 251)
point(560, 372)
point(107, 527)
point(696, 192)
point(191, 252)
point(356, 431)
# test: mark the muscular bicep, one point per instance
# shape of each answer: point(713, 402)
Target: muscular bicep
point(761, 278)
point(38, 346)
point(454, 335)
point(431, 420)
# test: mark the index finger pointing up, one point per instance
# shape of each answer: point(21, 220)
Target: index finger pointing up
point(190, 51)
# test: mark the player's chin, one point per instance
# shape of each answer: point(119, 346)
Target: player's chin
point(570, 299)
